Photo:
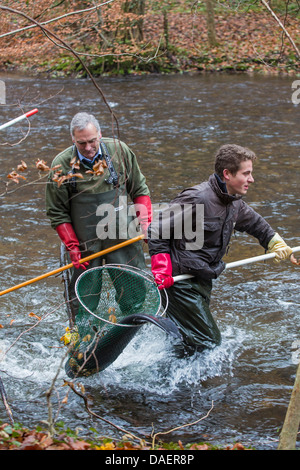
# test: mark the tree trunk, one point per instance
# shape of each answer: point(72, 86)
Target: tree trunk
point(166, 29)
point(138, 8)
point(288, 435)
point(210, 21)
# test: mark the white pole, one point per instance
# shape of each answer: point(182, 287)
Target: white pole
point(241, 262)
point(13, 121)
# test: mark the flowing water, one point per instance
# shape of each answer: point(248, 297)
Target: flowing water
point(174, 125)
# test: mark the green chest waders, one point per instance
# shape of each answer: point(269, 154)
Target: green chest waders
point(189, 309)
point(101, 221)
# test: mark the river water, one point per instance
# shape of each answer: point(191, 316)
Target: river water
point(174, 124)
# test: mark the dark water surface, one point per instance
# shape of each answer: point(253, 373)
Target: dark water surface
point(174, 125)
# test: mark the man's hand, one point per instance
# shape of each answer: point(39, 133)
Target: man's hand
point(278, 246)
point(161, 267)
point(68, 237)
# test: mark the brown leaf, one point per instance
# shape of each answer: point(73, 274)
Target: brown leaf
point(75, 164)
point(35, 441)
point(199, 447)
point(98, 168)
point(180, 445)
point(31, 314)
point(14, 176)
point(78, 445)
point(61, 179)
point(22, 166)
point(237, 446)
point(55, 167)
point(112, 318)
point(42, 165)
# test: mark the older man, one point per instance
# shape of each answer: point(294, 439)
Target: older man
point(88, 194)
point(224, 211)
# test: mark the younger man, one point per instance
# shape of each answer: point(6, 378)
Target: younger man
point(224, 211)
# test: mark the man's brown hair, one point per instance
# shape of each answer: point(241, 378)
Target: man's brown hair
point(230, 156)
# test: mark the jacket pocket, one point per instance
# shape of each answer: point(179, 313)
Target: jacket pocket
point(212, 231)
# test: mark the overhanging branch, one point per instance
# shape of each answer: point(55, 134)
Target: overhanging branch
point(282, 27)
point(48, 33)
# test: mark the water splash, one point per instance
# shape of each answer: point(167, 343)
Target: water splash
point(149, 364)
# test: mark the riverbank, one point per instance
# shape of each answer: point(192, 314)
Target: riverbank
point(246, 42)
point(20, 438)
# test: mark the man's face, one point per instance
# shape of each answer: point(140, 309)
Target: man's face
point(239, 183)
point(87, 141)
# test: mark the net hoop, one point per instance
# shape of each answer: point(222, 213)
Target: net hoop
point(146, 276)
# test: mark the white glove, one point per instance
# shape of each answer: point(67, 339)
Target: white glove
point(278, 246)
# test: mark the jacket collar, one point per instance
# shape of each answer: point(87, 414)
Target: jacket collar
point(221, 191)
point(85, 161)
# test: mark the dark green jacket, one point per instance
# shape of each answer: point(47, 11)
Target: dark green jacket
point(58, 196)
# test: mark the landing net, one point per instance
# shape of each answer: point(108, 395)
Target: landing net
point(107, 295)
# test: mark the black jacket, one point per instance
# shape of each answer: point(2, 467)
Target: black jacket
point(223, 213)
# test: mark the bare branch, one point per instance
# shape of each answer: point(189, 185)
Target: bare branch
point(83, 396)
point(180, 427)
point(55, 19)
point(48, 32)
point(282, 26)
point(5, 402)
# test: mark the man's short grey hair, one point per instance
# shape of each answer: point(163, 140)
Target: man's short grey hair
point(81, 120)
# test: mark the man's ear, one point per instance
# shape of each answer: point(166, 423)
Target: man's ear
point(226, 174)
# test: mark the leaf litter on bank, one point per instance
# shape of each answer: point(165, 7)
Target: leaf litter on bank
point(20, 438)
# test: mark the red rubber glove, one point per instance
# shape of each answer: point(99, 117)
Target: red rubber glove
point(144, 213)
point(68, 237)
point(161, 267)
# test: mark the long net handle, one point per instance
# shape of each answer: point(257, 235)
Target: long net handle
point(235, 264)
point(69, 266)
point(19, 118)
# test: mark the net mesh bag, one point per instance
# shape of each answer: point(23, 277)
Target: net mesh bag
point(110, 299)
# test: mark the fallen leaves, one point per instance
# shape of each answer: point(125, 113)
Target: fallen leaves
point(246, 37)
point(66, 338)
point(22, 439)
point(19, 438)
